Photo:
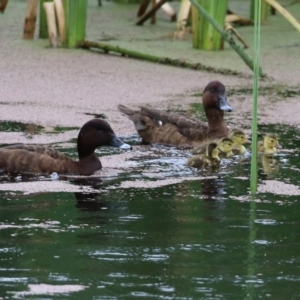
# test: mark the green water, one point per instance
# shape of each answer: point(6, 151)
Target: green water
point(199, 239)
point(32, 129)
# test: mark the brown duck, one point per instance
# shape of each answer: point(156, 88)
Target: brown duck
point(45, 160)
point(155, 126)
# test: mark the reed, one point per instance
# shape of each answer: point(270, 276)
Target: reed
point(285, 13)
point(205, 36)
point(61, 22)
point(51, 23)
point(3, 4)
point(257, 18)
point(153, 58)
point(75, 12)
point(43, 29)
point(30, 19)
point(227, 37)
point(265, 10)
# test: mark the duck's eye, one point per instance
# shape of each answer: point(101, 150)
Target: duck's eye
point(272, 141)
point(212, 90)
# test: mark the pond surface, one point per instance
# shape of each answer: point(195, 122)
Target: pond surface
point(201, 238)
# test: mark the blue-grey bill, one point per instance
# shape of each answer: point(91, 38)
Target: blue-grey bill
point(223, 104)
point(116, 142)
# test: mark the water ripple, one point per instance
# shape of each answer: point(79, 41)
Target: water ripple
point(265, 221)
point(261, 242)
point(155, 257)
point(130, 217)
point(47, 289)
point(14, 279)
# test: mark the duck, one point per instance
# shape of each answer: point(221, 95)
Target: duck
point(209, 159)
point(42, 160)
point(225, 146)
point(239, 138)
point(156, 126)
point(269, 144)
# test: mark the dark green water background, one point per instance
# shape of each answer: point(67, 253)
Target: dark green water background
point(201, 239)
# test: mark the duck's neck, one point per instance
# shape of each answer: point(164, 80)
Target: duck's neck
point(88, 165)
point(216, 122)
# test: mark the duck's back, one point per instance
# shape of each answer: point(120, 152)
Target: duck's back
point(170, 134)
point(155, 126)
point(23, 161)
point(39, 149)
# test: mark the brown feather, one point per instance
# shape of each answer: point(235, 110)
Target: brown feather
point(156, 126)
point(39, 149)
point(45, 160)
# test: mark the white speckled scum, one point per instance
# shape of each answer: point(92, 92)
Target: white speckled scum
point(53, 87)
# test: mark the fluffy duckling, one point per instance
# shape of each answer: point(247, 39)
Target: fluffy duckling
point(211, 158)
point(269, 144)
point(225, 146)
point(239, 139)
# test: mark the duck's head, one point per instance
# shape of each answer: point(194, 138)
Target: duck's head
point(271, 143)
point(212, 150)
point(226, 145)
point(214, 95)
point(96, 133)
point(238, 136)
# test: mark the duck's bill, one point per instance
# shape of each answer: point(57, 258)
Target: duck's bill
point(116, 142)
point(223, 104)
point(278, 146)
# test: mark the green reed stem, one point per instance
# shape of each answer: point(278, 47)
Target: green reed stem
point(226, 36)
point(257, 18)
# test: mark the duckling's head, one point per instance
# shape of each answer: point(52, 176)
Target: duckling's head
point(214, 96)
point(212, 151)
point(238, 136)
point(225, 145)
point(271, 143)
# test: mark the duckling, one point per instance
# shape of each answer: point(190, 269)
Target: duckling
point(45, 160)
point(269, 144)
point(155, 126)
point(225, 146)
point(239, 138)
point(210, 159)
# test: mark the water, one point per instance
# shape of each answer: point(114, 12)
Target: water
point(203, 238)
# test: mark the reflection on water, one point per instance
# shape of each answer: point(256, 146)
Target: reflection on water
point(270, 165)
point(213, 189)
point(205, 238)
point(90, 201)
